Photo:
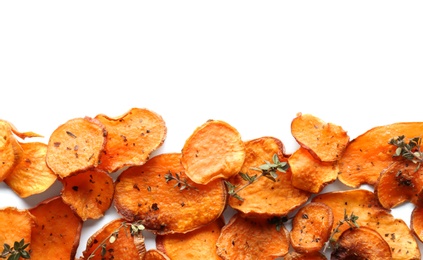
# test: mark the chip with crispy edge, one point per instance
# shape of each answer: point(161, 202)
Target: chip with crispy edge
point(88, 193)
point(31, 175)
point(364, 204)
point(75, 146)
point(166, 201)
point(154, 254)
point(123, 245)
point(311, 227)
point(15, 225)
point(416, 222)
point(310, 174)
point(10, 150)
point(197, 244)
point(370, 153)
point(300, 256)
point(361, 243)
point(57, 232)
point(325, 141)
point(252, 238)
point(214, 150)
point(131, 138)
point(265, 197)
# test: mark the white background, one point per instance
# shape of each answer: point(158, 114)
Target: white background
point(254, 64)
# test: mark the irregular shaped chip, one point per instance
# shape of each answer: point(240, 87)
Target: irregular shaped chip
point(154, 254)
point(416, 222)
point(300, 256)
point(131, 138)
point(160, 195)
point(214, 150)
point(57, 232)
point(325, 141)
point(310, 174)
point(15, 225)
point(10, 150)
point(31, 175)
point(88, 193)
point(370, 153)
point(265, 197)
point(197, 244)
point(252, 238)
point(75, 146)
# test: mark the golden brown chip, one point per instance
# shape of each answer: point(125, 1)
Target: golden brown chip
point(310, 174)
point(75, 146)
point(166, 201)
point(57, 231)
point(154, 254)
point(15, 225)
point(88, 193)
point(10, 150)
point(214, 150)
point(325, 141)
point(370, 153)
point(245, 238)
point(416, 222)
point(31, 175)
point(265, 197)
point(131, 138)
point(300, 256)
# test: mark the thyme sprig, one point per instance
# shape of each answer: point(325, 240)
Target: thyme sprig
point(410, 150)
point(268, 170)
point(182, 183)
point(16, 252)
point(351, 220)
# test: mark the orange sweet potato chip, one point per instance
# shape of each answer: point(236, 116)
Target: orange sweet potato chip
point(15, 225)
point(416, 222)
point(154, 254)
point(10, 150)
point(75, 146)
point(88, 193)
point(214, 150)
point(166, 201)
point(131, 138)
point(300, 256)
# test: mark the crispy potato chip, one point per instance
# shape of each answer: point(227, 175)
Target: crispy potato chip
point(245, 238)
point(364, 204)
point(416, 222)
point(361, 243)
point(197, 244)
point(166, 201)
point(154, 254)
point(214, 150)
point(115, 240)
point(57, 232)
point(300, 256)
point(310, 174)
point(88, 193)
point(325, 141)
point(10, 150)
point(75, 146)
point(131, 138)
point(265, 197)
point(370, 153)
point(31, 175)
point(311, 227)
point(15, 225)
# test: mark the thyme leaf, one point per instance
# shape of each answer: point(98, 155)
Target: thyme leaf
point(410, 150)
point(351, 220)
point(182, 183)
point(16, 252)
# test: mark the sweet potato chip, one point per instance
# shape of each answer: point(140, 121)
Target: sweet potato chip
point(31, 175)
point(75, 146)
point(325, 141)
point(300, 256)
point(15, 225)
point(311, 227)
point(115, 240)
point(166, 201)
point(10, 150)
point(364, 204)
point(57, 231)
point(197, 244)
point(361, 243)
point(214, 150)
point(310, 174)
point(88, 193)
point(131, 138)
point(265, 197)
point(246, 238)
point(370, 153)
point(154, 254)
point(416, 222)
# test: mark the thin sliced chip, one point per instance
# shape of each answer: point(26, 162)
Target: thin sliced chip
point(252, 238)
point(300, 256)
point(115, 240)
point(88, 193)
point(370, 153)
point(15, 225)
point(31, 175)
point(416, 222)
point(75, 146)
point(214, 150)
point(23, 135)
point(197, 244)
point(166, 201)
point(154, 254)
point(361, 243)
point(325, 141)
point(265, 197)
point(10, 150)
point(57, 232)
point(310, 174)
point(311, 227)
point(131, 138)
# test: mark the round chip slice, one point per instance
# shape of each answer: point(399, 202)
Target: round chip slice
point(10, 150)
point(15, 225)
